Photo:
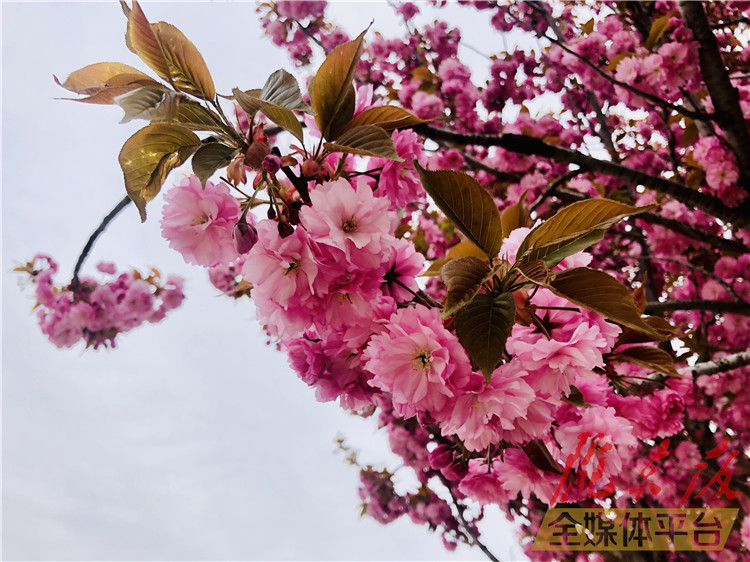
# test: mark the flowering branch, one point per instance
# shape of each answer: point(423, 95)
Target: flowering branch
point(725, 97)
point(523, 144)
point(726, 307)
point(727, 363)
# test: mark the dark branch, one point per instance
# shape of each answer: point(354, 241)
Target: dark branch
point(92, 239)
point(727, 363)
point(689, 231)
point(535, 147)
point(725, 307)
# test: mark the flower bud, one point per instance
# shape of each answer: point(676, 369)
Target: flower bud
point(244, 236)
point(310, 168)
point(285, 229)
point(440, 457)
point(236, 171)
point(271, 212)
point(255, 154)
point(272, 163)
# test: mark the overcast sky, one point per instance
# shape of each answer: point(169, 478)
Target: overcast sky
point(193, 440)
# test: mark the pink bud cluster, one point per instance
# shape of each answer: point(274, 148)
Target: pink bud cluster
point(97, 312)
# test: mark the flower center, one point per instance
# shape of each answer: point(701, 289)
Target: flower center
point(201, 219)
point(422, 359)
point(293, 266)
point(349, 225)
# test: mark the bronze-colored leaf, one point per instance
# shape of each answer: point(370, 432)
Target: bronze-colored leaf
point(141, 39)
point(149, 155)
point(659, 324)
point(187, 69)
point(463, 277)
point(463, 248)
point(284, 118)
point(209, 158)
point(332, 93)
point(465, 202)
point(105, 96)
point(195, 117)
point(649, 357)
point(281, 89)
point(483, 327)
point(92, 78)
point(540, 456)
point(658, 28)
point(367, 140)
point(388, 117)
point(535, 271)
point(149, 103)
point(564, 234)
point(249, 101)
point(516, 216)
point(602, 293)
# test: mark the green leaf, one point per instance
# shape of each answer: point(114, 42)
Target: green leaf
point(483, 327)
point(367, 140)
point(281, 89)
point(463, 277)
point(209, 158)
point(149, 155)
point(388, 117)
point(465, 202)
point(649, 357)
point(574, 228)
point(332, 94)
point(601, 293)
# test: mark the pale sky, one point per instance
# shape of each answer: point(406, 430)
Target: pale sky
point(193, 440)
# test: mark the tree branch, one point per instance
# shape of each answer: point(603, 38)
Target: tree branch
point(535, 147)
point(689, 231)
point(725, 307)
point(727, 363)
point(725, 97)
point(90, 242)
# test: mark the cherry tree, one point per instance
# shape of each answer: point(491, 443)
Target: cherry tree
point(538, 286)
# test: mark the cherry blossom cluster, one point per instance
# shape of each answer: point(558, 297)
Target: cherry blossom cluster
point(97, 312)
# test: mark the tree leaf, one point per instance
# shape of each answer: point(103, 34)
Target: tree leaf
point(367, 140)
point(281, 89)
point(149, 103)
point(516, 216)
point(194, 116)
point(649, 357)
point(540, 456)
point(659, 324)
point(601, 293)
point(284, 118)
point(388, 117)
point(149, 155)
point(579, 220)
point(332, 94)
point(92, 78)
point(187, 69)
point(463, 277)
point(105, 96)
point(535, 271)
point(465, 202)
point(463, 248)
point(248, 100)
point(658, 28)
point(141, 39)
point(483, 327)
point(209, 158)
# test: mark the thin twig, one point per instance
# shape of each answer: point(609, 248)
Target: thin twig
point(90, 243)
